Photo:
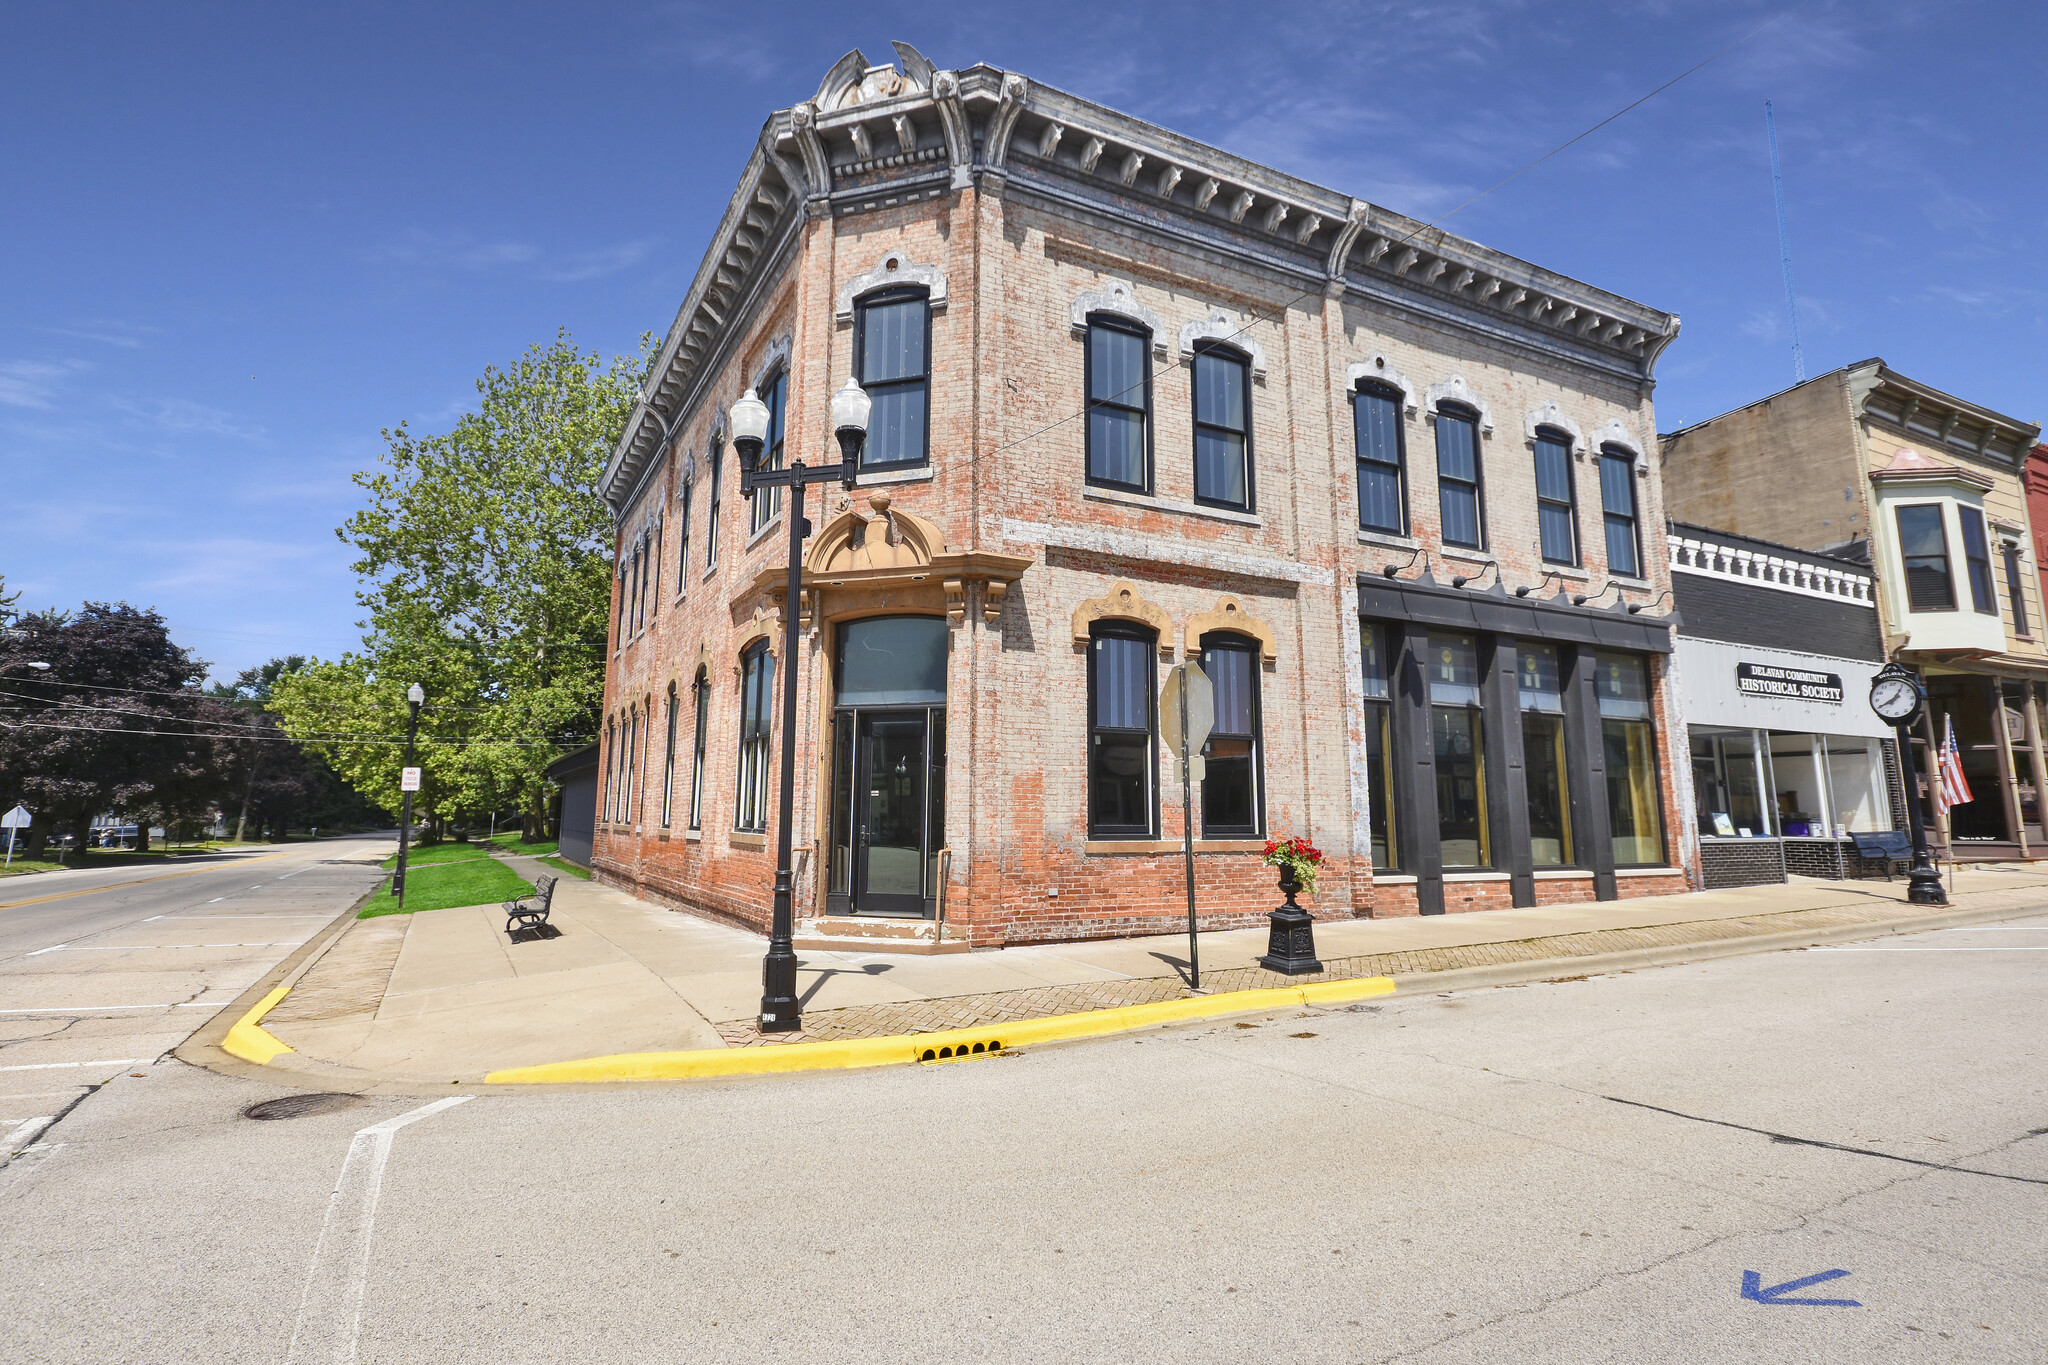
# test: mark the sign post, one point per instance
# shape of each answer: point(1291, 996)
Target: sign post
point(18, 818)
point(1187, 712)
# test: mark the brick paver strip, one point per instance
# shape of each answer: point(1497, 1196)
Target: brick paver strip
point(974, 1011)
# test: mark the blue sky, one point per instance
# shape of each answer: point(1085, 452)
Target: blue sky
point(236, 241)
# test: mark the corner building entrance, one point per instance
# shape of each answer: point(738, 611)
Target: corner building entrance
point(888, 766)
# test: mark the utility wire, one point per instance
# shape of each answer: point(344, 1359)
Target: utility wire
point(287, 739)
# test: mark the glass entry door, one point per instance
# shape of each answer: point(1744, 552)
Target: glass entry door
point(889, 805)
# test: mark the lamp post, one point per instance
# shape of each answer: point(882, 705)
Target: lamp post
point(1897, 696)
point(409, 781)
point(780, 1010)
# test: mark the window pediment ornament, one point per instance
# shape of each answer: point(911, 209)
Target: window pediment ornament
point(1220, 326)
point(776, 357)
point(893, 269)
point(1121, 299)
point(1616, 434)
point(1122, 603)
point(1229, 614)
point(1380, 372)
point(883, 538)
point(1552, 416)
point(1454, 389)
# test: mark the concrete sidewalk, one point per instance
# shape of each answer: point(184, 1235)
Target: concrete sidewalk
point(443, 995)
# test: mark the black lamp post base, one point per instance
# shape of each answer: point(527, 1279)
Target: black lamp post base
point(1291, 942)
point(782, 1015)
point(1924, 886)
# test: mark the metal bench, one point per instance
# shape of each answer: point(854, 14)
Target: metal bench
point(1884, 850)
point(530, 917)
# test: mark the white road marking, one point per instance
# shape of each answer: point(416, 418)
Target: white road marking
point(182, 918)
point(331, 1309)
point(40, 951)
point(1997, 929)
point(111, 1061)
point(2017, 948)
point(153, 947)
point(25, 1132)
point(101, 1009)
point(216, 900)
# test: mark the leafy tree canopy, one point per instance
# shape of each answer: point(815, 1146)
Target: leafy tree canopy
point(485, 560)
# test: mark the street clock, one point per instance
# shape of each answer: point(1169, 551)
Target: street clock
point(1895, 695)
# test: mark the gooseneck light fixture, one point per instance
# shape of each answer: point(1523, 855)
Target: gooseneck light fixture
point(781, 1011)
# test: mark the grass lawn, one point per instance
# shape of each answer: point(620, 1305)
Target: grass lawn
point(439, 853)
point(537, 848)
point(445, 882)
point(565, 866)
point(105, 858)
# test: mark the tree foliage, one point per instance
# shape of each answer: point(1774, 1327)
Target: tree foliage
point(485, 560)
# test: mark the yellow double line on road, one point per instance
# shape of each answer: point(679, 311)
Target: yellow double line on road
point(142, 881)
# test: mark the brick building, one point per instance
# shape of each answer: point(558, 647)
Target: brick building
point(1928, 491)
point(1135, 400)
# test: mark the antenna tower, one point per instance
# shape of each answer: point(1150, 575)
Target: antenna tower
point(1785, 249)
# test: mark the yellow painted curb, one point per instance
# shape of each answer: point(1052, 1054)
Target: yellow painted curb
point(250, 1043)
point(912, 1047)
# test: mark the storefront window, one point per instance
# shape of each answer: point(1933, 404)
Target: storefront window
point(1379, 752)
point(1634, 821)
point(1856, 784)
point(1455, 723)
point(1542, 702)
point(1728, 779)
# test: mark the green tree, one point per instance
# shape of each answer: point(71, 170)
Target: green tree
point(486, 560)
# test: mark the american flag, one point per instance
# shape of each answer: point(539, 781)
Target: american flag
point(1953, 788)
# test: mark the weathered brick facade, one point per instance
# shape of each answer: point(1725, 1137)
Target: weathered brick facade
point(1021, 212)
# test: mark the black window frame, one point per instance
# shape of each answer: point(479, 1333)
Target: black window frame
point(1574, 553)
point(1906, 561)
point(611, 760)
point(701, 685)
point(1243, 361)
point(1625, 457)
point(767, 502)
point(756, 745)
point(668, 766)
point(1254, 653)
point(2016, 588)
point(1383, 392)
point(1458, 412)
point(1149, 638)
point(717, 476)
point(1114, 322)
point(1977, 559)
point(683, 539)
point(894, 294)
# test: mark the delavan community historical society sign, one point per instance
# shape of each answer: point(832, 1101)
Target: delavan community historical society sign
point(1795, 684)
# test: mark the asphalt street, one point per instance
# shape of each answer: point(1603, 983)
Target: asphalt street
point(1585, 1169)
point(108, 969)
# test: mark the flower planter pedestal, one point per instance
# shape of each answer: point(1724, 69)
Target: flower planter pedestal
point(1291, 937)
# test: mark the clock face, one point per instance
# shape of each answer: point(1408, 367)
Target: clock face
point(1894, 698)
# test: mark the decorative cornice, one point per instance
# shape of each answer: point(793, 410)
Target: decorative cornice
point(1120, 298)
point(1454, 389)
point(1379, 371)
point(1219, 326)
point(1123, 602)
point(1229, 614)
point(1551, 415)
point(1617, 433)
point(1757, 569)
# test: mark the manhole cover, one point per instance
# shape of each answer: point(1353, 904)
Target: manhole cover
point(298, 1106)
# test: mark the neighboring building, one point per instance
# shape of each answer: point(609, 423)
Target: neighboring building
point(2037, 507)
point(576, 803)
point(1932, 498)
point(1774, 664)
point(1135, 400)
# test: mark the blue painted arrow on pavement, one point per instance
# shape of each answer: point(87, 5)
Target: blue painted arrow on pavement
point(1752, 1288)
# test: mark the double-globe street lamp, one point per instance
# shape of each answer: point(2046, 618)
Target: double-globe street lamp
point(781, 1012)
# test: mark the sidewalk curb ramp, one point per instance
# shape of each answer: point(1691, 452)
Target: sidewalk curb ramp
point(943, 1046)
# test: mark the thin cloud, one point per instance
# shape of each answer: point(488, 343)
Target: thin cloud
point(464, 251)
point(34, 383)
point(593, 265)
point(107, 332)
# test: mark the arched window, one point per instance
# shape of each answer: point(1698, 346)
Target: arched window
point(892, 340)
point(1223, 426)
point(715, 502)
point(702, 687)
point(629, 766)
point(1119, 434)
point(1557, 513)
point(1618, 511)
point(1233, 796)
point(611, 763)
point(768, 501)
point(683, 537)
point(1122, 687)
point(1382, 463)
point(1458, 491)
point(668, 767)
point(757, 700)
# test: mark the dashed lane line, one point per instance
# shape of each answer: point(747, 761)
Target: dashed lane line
point(139, 881)
point(57, 1066)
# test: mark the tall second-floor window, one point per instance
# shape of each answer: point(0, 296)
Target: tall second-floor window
point(715, 482)
point(1223, 443)
point(1121, 762)
point(768, 501)
point(668, 765)
point(1977, 559)
point(1618, 512)
point(1556, 516)
point(2016, 588)
point(892, 335)
point(1457, 478)
point(1232, 804)
point(1923, 549)
point(1119, 404)
point(1382, 491)
point(683, 539)
point(611, 768)
point(702, 687)
point(757, 699)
